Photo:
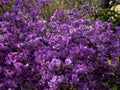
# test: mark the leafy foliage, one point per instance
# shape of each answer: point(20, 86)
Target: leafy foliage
point(109, 16)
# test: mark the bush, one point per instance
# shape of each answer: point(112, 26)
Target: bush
point(70, 52)
point(108, 15)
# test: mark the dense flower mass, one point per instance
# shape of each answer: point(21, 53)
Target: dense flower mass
point(68, 53)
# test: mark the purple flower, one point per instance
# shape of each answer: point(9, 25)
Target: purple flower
point(86, 6)
point(68, 52)
point(68, 61)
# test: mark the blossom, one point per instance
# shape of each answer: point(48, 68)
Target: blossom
point(68, 52)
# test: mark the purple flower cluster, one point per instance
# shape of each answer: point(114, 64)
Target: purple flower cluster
point(67, 53)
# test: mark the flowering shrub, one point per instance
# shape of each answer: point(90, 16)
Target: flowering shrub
point(68, 53)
